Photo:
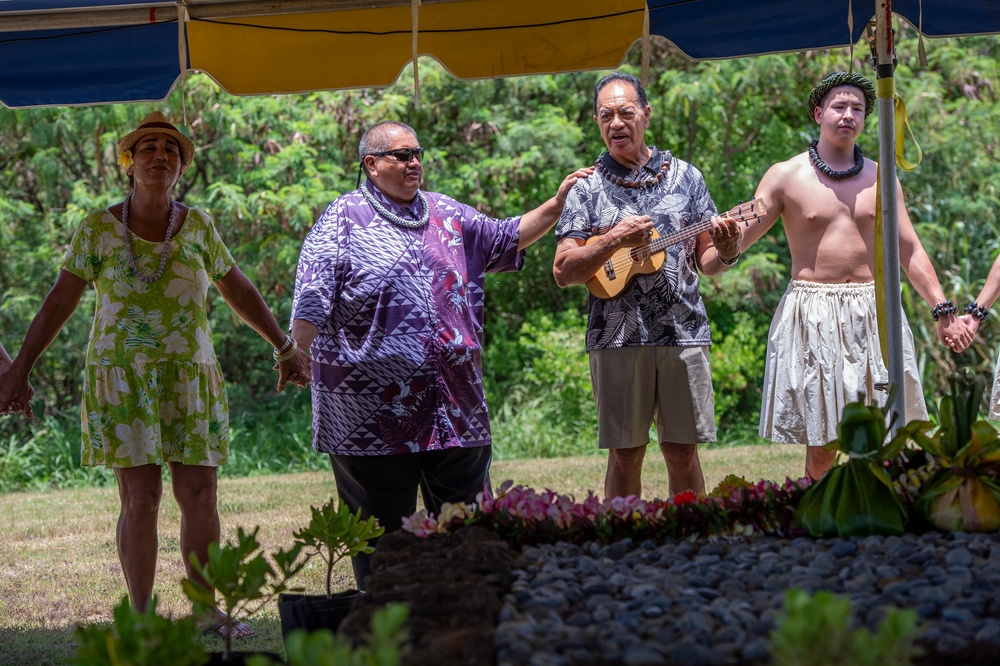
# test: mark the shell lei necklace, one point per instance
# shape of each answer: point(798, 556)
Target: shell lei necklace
point(645, 183)
point(166, 242)
point(823, 167)
point(396, 219)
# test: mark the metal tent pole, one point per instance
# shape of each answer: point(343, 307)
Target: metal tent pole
point(890, 225)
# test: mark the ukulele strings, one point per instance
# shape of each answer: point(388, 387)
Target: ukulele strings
point(625, 259)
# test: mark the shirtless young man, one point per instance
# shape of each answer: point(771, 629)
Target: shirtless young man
point(823, 348)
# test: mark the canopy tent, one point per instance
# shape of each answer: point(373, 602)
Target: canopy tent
point(64, 52)
point(716, 29)
point(59, 52)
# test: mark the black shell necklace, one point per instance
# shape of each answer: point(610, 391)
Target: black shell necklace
point(823, 167)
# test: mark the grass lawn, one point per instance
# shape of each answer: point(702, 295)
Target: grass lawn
point(58, 564)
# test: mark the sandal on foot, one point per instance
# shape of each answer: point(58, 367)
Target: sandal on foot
point(236, 630)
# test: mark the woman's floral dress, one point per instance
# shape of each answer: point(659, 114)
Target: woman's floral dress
point(153, 389)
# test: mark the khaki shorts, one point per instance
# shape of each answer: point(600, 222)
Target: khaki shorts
point(632, 385)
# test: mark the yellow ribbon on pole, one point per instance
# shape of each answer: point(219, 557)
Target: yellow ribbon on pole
point(902, 124)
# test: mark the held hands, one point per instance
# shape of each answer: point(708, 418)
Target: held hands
point(957, 333)
point(296, 370)
point(972, 321)
point(15, 396)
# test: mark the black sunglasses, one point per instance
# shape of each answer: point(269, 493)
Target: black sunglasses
point(404, 155)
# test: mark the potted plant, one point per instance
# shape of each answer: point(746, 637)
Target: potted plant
point(385, 646)
point(332, 534)
point(963, 494)
point(140, 638)
point(242, 581)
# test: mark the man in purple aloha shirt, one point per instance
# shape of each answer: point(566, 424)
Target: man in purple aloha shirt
point(389, 299)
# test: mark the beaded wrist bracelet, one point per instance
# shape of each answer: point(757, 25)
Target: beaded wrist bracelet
point(977, 310)
point(731, 262)
point(942, 309)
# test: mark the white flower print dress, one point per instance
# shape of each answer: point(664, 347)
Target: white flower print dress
point(153, 389)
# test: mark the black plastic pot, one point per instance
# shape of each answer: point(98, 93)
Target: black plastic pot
point(312, 612)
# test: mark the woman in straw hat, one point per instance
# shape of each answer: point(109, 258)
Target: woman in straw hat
point(153, 389)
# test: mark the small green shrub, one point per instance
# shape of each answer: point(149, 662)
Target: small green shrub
point(140, 639)
point(242, 577)
point(384, 647)
point(334, 533)
point(547, 408)
point(817, 631)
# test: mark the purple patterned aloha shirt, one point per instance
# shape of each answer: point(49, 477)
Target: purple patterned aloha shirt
point(397, 360)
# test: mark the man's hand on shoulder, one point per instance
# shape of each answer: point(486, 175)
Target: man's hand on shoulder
point(569, 181)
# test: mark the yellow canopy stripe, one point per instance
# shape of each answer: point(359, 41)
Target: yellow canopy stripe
point(369, 48)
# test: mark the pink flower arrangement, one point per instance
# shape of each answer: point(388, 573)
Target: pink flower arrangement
point(525, 516)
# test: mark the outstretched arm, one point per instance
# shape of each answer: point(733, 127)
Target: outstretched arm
point(5, 363)
point(952, 331)
point(770, 191)
point(243, 297)
point(304, 332)
point(58, 306)
point(536, 223)
point(987, 296)
point(5, 359)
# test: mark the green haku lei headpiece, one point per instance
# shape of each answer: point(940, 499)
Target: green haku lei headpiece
point(843, 79)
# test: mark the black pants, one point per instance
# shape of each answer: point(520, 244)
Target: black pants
point(386, 486)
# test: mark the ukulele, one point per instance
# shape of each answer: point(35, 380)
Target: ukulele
point(627, 262)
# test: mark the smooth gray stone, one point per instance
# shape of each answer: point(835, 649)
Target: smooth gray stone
point(755, 650)
point(844, 548)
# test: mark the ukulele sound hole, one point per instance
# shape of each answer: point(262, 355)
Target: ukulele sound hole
point(639, 254)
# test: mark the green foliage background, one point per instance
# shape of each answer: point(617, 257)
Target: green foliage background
point(266, 167)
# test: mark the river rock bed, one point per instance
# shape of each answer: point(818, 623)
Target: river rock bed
point(715, 602)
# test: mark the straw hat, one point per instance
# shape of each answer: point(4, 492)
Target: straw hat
point(157, 123)
point(843, 79)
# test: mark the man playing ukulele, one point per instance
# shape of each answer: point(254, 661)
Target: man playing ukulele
point(648, 345)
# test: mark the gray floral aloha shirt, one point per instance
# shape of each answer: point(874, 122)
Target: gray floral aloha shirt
point(663, 308)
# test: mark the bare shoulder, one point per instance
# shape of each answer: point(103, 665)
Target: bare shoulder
point(790, 168)
point(783, 178)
